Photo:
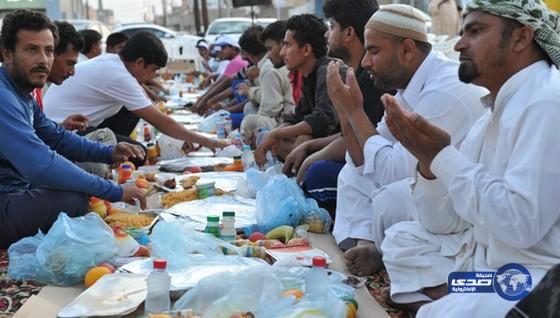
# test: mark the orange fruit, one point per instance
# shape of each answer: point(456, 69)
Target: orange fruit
point(293, 292)
point(94, 274)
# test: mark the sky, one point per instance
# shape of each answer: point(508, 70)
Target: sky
point(127, 11)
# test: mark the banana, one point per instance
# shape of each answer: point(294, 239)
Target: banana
point(284, 232)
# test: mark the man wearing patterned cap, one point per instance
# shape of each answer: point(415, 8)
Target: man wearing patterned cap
point(495, 201)
point(376, 193)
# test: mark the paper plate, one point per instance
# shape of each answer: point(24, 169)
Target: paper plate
point(112, 295)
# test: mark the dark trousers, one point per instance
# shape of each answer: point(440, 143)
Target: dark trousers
point(24, 213)
point(121, 124)
point(320, 183)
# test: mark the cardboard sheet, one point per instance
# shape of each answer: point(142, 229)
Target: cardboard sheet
point(52, 299)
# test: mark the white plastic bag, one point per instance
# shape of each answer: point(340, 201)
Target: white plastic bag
point(170, 148)
point(256, 290)
point(208, 124)
point(63, 256)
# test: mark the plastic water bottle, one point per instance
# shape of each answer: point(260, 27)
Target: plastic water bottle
point(317, 280)
point(157, 300)
point(248, 158)
point(228, 125)
point(221, 127)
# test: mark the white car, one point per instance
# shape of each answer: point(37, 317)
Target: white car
point(178, 46)
point(98, 26)
point(233, 27)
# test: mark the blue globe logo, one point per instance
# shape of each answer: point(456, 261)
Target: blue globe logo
point(512, 282)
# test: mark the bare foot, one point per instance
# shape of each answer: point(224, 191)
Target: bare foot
point(363, 259)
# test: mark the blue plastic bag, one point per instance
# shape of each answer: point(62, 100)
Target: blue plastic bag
point(280, 202)
point(64, 255)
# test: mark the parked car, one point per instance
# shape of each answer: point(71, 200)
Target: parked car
point(92, 25)
point(233, 27)
point(178, 46)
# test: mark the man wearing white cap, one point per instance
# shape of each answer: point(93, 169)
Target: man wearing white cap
point(230, 51)
point(492, 205)
point(204, 53)
point(376, 194)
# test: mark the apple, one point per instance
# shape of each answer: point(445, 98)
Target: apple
point(256, 236)
point(108, 266)
point(98, 205)
point(142, 251)
point(196, 170)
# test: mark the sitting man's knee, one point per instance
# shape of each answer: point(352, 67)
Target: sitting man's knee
point(76, 204)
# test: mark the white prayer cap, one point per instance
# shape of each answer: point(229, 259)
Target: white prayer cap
point(226, 40)
point(400, 20)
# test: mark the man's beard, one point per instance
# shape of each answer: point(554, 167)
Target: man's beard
point(278, 64)
point(339, 53)
point(393, 79)
point(468, 72)
point(23, 79)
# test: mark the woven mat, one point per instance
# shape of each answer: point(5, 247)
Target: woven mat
point(375, 284)
point(13, 293)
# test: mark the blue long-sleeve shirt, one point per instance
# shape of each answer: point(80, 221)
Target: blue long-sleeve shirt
point(35, 151)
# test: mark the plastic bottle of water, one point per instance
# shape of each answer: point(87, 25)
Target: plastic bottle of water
point(227, 124)
point(247, 158)
point(221, 127)
point(157, 300)
point(317, 280)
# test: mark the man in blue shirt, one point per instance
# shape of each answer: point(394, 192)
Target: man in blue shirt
point(37, 178)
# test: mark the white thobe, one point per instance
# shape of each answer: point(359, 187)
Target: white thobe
point(494, 202)
point(434, 92)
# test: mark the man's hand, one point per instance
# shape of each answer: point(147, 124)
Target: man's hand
point(188, 147)
point(243, 89)
point(260, 154)
point(214, 144)
point(346, 98)
point(252, 73)
point(416, 134)
point(75, 122)
point(293, 161)
point(131, 192)
point(123, 151)
point(311, 159)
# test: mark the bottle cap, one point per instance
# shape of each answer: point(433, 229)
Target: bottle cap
point(319, 261)
point(126, 166)
point(212, 218)
point(228, 213)
point(246, 147)
point(237, 158)
point(160, 264)
point(150, 144)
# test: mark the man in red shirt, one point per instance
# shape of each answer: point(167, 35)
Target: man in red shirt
point(65, 58)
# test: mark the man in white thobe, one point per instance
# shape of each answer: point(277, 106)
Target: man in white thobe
point(496, 200)
point(376, 193)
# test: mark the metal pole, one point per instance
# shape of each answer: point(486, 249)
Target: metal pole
point(164, 5)
point(204, 15)
point(196, 10)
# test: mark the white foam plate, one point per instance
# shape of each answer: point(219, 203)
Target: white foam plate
point(112, 295)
